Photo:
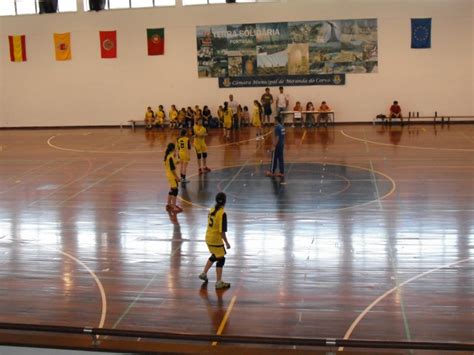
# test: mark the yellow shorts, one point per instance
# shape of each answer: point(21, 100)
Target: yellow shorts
point(183, 156)
point(227, 124)
point(217, 250)
point(200, 147)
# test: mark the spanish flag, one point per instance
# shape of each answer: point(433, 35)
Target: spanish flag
point(17, 48)
point(62, 45)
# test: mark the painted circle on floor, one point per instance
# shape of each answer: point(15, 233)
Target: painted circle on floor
point(307, 187)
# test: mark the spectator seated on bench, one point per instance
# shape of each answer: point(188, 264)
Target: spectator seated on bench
point(160, 117)
point(297, 115)
point(395, 112)
point(309, 116)
point(323, 116)
point(149, 117)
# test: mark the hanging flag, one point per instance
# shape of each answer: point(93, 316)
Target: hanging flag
point(156, 41)
point(108, 44)
point(17, 48)
point(420, 33)
point(62, 45)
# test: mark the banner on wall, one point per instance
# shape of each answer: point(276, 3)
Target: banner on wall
point(288, 48)
point(108, 44)
point(156, 41)
point(62, 46)
point(17, 48)
point(282, 80)
point(421, 33)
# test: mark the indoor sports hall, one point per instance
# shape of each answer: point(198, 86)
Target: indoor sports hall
point(363, 244)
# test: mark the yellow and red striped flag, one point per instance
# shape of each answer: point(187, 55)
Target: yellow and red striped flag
point(62, 45)
point(17, 48)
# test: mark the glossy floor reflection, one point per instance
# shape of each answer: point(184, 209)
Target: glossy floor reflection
point(85, 239)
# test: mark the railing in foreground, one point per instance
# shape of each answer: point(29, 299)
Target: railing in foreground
point(307, 342)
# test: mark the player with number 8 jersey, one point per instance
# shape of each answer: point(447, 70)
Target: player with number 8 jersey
point(184, 146)
point(215, 239)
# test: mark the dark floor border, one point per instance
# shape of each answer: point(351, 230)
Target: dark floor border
point(142, 127)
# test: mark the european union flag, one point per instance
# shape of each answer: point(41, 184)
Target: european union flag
point(420, 33)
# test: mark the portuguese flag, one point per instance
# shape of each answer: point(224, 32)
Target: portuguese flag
point(156, 41)
point(17, 48)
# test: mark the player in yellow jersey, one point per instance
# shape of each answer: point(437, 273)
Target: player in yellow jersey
point(257, 118)
point(200, 134)
point(182, 118)
point(184, 147)
point(149, 117)
point(173, 179)
point(173, 115)
point(228, 116)
point(215, 240)
point(160, 117)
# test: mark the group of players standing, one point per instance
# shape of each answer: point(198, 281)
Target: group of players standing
point(216, 239)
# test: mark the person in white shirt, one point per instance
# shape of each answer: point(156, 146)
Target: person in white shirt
point(282, 103)
point(234, 105)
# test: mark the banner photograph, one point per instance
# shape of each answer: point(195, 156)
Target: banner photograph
point(288, 48)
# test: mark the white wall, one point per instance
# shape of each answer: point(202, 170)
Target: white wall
point(89, 90)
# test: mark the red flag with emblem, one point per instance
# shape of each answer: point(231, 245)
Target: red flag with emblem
point(156, 41)
point(108, 44)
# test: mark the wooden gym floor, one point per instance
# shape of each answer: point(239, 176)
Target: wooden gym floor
point(370, 235)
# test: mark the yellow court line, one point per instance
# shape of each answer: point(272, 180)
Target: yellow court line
point(380, 298)
point(304, 135)
point(224, 320)
point(404, 146)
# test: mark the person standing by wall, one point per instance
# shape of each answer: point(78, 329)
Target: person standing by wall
point(234, 105)
point(282, 103)
point(267, 101)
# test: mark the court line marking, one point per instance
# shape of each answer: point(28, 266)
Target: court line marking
point(397, 282)
point(97, 281)
point(130, 306)
point(71, 182)
point(380, 298)
point(54, 146)
point(304, 136)
point(95, 183)
point(235, 175)
point(404, 146)
point(311, 213)
point(94, 276)
point(25, 174)
point(226, 317)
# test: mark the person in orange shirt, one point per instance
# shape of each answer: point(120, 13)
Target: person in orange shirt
point(323, 115)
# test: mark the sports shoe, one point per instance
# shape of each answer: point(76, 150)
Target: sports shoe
point(221, 285)
point(203, 277)
point(279, 175)
point(206, 169)
point(292, 126)
point(269, 174)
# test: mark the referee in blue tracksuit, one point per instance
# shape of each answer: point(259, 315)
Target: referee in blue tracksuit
point(277, 156)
